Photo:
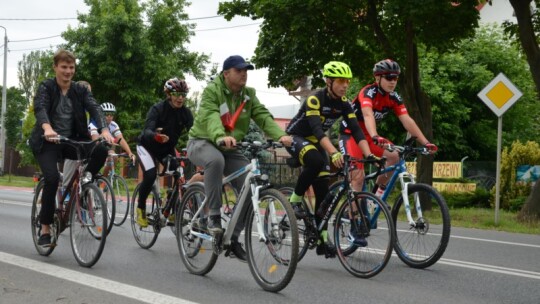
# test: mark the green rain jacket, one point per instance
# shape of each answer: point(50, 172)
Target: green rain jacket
point(208, 123)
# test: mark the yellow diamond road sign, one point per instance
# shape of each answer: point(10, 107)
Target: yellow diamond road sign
point(500, 94)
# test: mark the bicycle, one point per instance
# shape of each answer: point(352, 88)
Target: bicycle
point(271, 233)
point(84, 213)
point(422, 240)
point(120, 190)
point(157, 209)
point(347, 212)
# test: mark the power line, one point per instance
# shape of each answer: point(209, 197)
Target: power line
point(32, 49)
point(35, 39)
point(61, 19)
point(228, 27)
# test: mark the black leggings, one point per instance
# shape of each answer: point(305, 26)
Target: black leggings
point(314, 164)
point(48, 159)
point(149, 177)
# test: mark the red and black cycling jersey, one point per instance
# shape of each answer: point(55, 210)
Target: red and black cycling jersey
point(318, 113)
point(381, 103)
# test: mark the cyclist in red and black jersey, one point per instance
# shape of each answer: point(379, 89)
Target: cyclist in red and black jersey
point(311, 146)
point(374, 102)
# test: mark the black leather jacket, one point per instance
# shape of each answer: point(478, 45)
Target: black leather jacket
point(47, 99)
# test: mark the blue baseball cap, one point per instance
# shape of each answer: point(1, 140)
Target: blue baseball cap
point(238, 62)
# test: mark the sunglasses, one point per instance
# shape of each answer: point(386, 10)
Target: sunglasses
point(342, 80)
point(391, 77)
point(108, 113)
point(176, 94)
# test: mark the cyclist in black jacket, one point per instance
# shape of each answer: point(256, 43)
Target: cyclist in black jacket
point(311, 146)
point(60, 107)
point(165, 122)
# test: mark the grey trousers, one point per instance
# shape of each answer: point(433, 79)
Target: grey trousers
point(216, 164)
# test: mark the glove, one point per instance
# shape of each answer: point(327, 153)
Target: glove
point(432, 148)
point(379, 140)
point(336, 158)
point(159, 138)
point(373, 157)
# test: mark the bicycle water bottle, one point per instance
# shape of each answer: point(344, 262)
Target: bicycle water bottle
point(324, 204)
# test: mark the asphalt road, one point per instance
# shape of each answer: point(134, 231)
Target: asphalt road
point(478, 267)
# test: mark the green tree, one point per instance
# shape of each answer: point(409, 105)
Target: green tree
point(527, 31)
point(462, 123)
point(34, 68)
point(15, 109)
point(127, 50)
point(297, 37)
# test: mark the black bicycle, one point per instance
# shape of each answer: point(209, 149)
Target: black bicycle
point(349, 212)
point(158, 210)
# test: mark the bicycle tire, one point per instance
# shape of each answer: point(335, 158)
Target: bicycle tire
point(35, 223)
point(423, 246)
point(110, 199)
point(272, 263)
point(146, 237)
point(88, 225)
point(196, 252)
point(121, 195)
point(377, 229)
point(303, 233)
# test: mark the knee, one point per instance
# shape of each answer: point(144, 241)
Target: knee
point(52, 178)
point(313, 159)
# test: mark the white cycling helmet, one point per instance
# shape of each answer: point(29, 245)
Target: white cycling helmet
point(108, 107)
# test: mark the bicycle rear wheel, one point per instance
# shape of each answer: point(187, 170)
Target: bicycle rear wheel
point(365, 215)
point(145, 236)
point(196, 250)
point(422, 244)
point(108, 195)
point(121, 196)
point(36, 225)
point(88, 222)
point(272, 262)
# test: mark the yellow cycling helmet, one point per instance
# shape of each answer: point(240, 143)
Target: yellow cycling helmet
point(337, 69)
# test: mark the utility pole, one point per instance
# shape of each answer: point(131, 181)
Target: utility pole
point(3, 113)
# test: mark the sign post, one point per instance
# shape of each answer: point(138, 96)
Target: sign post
point(499, 95)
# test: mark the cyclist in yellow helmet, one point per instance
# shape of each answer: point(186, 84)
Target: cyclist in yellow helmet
point(311, 146)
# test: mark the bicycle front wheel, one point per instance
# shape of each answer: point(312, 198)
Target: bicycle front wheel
point(88, 225)
point(121, 196)
point(422, 243)
point(194, 243)
point(108, 194)
point(364, 235)
point(303, 231)
point(146, 236)
point(272, 254)
point(35, 223)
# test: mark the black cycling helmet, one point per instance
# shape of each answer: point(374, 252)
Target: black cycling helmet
point(385, 67)
point(175, 85)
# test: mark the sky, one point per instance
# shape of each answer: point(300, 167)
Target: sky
point(215, 37)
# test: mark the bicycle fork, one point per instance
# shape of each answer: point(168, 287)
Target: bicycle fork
point(405, 195)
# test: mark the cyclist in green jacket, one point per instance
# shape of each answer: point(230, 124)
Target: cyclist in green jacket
point(226, 109)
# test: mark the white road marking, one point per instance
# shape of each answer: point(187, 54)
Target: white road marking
point(121, 289)
point(491, 268)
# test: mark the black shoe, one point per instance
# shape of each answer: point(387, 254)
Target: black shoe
point(327, 249)
point(237, 251)
point(44, 240)
point(299, 211)
point(214, 224)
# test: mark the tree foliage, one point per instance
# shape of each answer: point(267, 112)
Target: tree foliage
point(32, 69)
point(462, 123)
point(127, 50)
point(297, 37)
point(528, 32)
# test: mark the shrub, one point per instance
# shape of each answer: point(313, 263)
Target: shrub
point(519, 154)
